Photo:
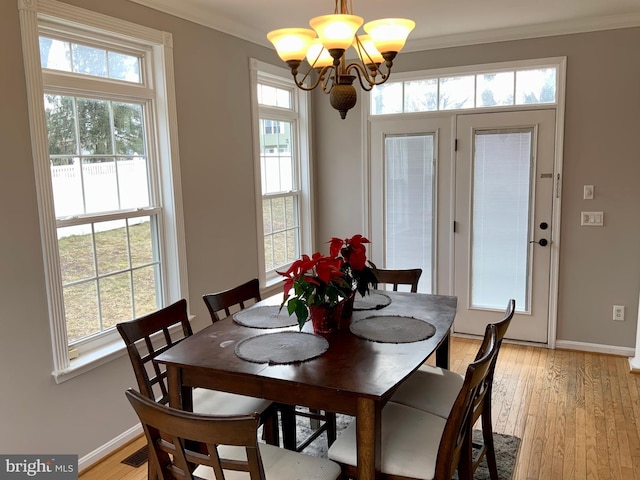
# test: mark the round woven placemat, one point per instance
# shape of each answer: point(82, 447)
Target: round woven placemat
point(372, 301)
point(268, 316)
point(393, 329)
point(281, 347)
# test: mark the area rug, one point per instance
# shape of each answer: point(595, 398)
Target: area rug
point(506, 448)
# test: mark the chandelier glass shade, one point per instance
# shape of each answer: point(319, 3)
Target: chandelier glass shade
point(324, 49)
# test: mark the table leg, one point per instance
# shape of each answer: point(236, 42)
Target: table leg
point(369, 438)
point(443, 352)
point(180, 397)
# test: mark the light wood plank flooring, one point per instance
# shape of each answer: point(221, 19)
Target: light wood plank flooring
point(578, 415)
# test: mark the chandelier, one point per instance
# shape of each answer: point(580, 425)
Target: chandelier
point(325, 52)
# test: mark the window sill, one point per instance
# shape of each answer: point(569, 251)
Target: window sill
point(90, 360)
point(96, 357)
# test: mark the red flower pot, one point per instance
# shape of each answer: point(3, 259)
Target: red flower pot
point(325, 319)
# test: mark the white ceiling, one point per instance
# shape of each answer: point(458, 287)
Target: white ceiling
point(439, 24)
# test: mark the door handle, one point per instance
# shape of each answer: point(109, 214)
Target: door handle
point(543, 242)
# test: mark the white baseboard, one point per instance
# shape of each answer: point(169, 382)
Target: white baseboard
point(596, 348)
point(108, 448)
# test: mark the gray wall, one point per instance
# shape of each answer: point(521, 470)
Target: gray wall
point(599, 266)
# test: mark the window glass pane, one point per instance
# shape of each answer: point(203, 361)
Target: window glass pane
point(421, 96)
point(75, 245)
point(268, 253)
point(457, 92)
point(494, 89)
point(409, 200)
point(128, 129)
point(81, 310)
point(85, 60)
point(141, 234)
point(100, 183)
point(89, 60)
point(124, 67)
point(145, 298)
point(276, 159)
point(133, 182)
point(55, 54)
point(387, 98)
point(61, 125)
point(500, 218)
point(273, 96)
point(116, 303)
point(112, 246)
point(95, 122)
point(536, 86)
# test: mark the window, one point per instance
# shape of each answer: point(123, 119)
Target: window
point(107, 176)
point(282, 167)
point(496, 88)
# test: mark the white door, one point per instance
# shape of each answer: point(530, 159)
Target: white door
point(504, 199)
point(411, 197)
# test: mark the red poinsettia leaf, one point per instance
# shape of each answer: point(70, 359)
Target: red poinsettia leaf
point(335, 246)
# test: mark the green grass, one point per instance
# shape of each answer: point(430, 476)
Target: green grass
point(107, 271)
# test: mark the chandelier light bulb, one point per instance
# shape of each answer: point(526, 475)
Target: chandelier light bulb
point(291, 43)
point(318, 56)
point(336, 31)
point(366, 49)
point(389, 34)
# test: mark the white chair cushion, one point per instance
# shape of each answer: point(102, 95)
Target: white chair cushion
point(224, 403)
point(430, 389)
point(410, 441)
point(279, 464)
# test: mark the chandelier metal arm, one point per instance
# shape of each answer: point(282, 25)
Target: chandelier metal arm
point(369, 76)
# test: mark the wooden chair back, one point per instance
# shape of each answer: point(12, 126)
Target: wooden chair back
point(455, 446)
point(409, 277)
point(149, 336)
point(484, 409)
point(237, 297)
point(180, 441)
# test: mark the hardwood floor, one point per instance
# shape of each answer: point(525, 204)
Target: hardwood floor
point(577, 413)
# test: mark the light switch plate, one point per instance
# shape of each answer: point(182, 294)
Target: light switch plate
point(591, 219)
point(588, 192)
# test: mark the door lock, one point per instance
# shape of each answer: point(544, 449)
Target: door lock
point(543, 242)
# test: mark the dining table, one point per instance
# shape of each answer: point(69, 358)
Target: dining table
point(262, 352)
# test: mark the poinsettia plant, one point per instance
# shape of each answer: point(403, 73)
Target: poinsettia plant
point(359, 271)
point(316, 280)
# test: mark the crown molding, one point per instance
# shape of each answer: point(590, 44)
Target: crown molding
point(201, 14)
point(583, 25)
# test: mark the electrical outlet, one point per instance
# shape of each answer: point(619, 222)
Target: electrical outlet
point(618, 312)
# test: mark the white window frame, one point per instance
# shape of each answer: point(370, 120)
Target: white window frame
point(299, 116)
point(104, 347)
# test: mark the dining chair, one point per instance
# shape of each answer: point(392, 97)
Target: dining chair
point(149, 336)
point(232, 300)
point(189, 445)
point(238, 298)
point(434, 390)
point(399, 277)
point(421, 445)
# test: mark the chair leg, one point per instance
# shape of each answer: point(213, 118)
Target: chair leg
point(487, 435)
point(270, 431)
point(330, 419)
point(288, 415)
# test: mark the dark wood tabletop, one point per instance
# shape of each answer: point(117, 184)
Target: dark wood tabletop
point(354, 376)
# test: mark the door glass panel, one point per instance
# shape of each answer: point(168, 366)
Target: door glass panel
point(500, 261)
point(409, 204)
